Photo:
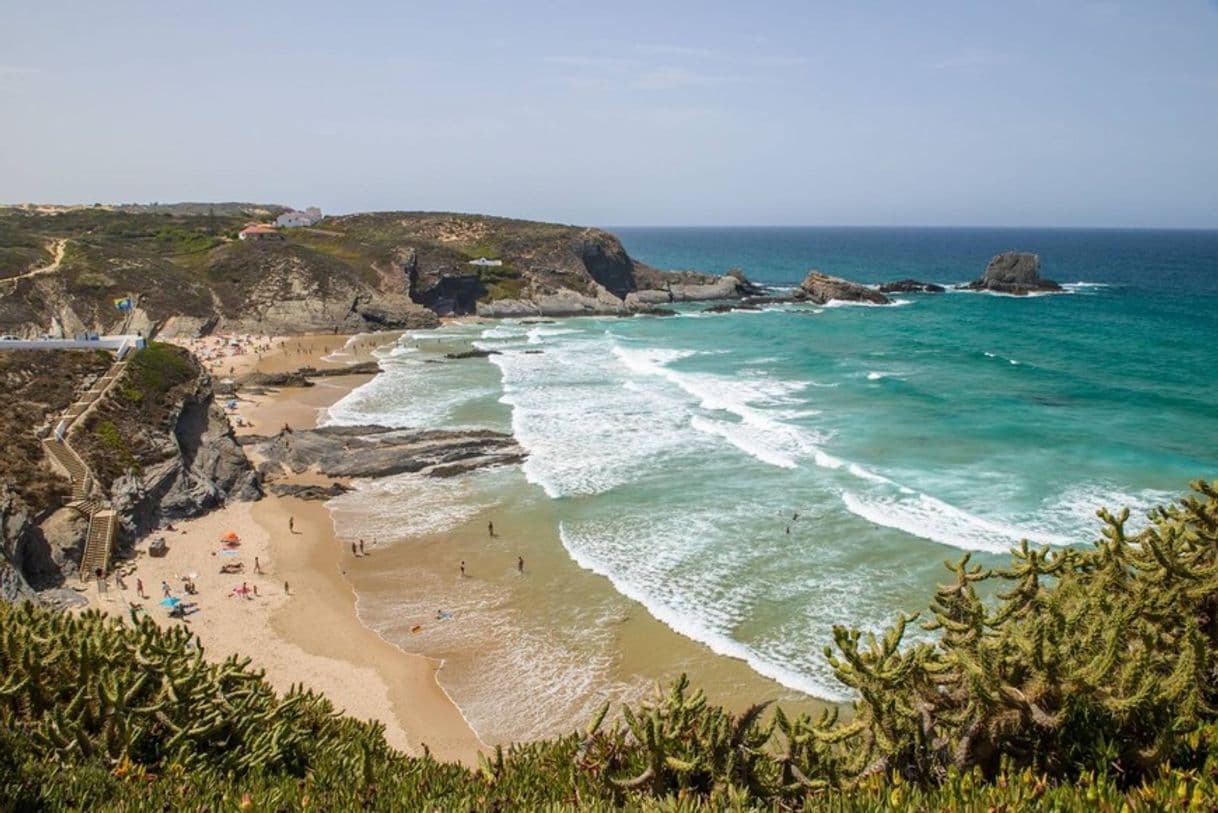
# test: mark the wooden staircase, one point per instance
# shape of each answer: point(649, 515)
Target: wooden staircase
point(96, 556)
point(103, 520)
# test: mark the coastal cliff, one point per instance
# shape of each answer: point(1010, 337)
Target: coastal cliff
point(157, 443)
point(183, 271)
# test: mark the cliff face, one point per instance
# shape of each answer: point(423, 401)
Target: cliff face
point(187, 273)
point(158, 444)
point(161, 446)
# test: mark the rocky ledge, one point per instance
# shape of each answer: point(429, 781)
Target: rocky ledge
point(821, 288)
point(1013, 272)
point(379, 451)
point(301, 377)
point(911, 286)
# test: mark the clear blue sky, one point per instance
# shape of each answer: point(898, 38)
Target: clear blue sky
point(957, 113)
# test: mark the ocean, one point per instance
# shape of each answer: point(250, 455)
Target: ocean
point(752, 479)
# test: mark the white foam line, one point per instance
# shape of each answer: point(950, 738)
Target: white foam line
point(717, 642)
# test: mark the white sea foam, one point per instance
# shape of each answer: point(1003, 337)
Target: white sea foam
point(737, 435)
point(930, 518)
point(840, 303)
point(700, 620)
point(405, 505)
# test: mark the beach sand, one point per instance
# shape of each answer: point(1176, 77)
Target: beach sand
point(311, 634)
point(526, 655)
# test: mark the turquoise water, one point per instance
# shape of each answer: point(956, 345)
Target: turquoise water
point(678, 451)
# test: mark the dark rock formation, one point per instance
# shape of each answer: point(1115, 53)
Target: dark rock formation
point(309, 492)
point(821, 288)
point(376, 451)
point(1013, 272)
point(471, 354)
point(911, 286)
point(301, 377)
point(727, 308)
point(18, 535)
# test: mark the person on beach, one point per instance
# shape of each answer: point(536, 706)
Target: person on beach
point(101, 580)
point(291, 525)
point(286, 591)
point(463, 568)
point(788, 530)
point(165, 588)
point(139, 587)
point(257, 566)
point(520, 564)
point(361, 547)
point(490, 528)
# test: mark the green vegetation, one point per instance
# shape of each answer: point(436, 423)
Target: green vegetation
point(154, 370)
point(1089, 684)
point(112, 440)
point(129, 427)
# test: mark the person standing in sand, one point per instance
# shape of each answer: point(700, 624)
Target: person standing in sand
point(291, 525)
point(490, 529)
point(520, 564)
point(463, 568)
point(361, 547)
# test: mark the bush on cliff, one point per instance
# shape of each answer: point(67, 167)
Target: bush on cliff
point(1089, 684)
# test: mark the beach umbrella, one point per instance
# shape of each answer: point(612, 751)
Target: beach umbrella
point(231, 536)
point(170, 601)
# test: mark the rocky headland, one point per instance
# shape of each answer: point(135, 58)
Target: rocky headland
point(187, 274)
point(1013, 272)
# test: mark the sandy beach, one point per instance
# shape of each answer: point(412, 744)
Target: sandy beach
point(297, 621)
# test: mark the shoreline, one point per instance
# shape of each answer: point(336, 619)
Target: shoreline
point(311, 635)
point(326, 633)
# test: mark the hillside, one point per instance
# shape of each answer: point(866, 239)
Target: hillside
point(188, 273)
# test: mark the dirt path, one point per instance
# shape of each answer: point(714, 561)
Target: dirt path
point(57, 252)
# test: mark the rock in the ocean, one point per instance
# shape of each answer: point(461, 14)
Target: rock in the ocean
point(1013, 272)
point(821, 288)
point(910, 286)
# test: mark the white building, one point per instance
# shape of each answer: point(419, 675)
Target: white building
point(484, 262)
point(292, 220)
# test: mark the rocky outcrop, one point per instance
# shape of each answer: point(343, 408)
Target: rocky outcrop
point(309, 492)
point(378, 451)
point(910, 286)
point(209, 470)
point(1013, 272)
point(821, 288)
point(18, 535)
point(303, 376)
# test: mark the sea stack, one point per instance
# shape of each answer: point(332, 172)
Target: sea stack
point(820, 288)
point(1013, 272)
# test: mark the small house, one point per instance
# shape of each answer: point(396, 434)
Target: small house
point(258, 231)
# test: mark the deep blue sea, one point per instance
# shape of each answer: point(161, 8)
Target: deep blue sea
point(754, 478)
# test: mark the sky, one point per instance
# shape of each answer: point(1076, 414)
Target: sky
point(1015, 113)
